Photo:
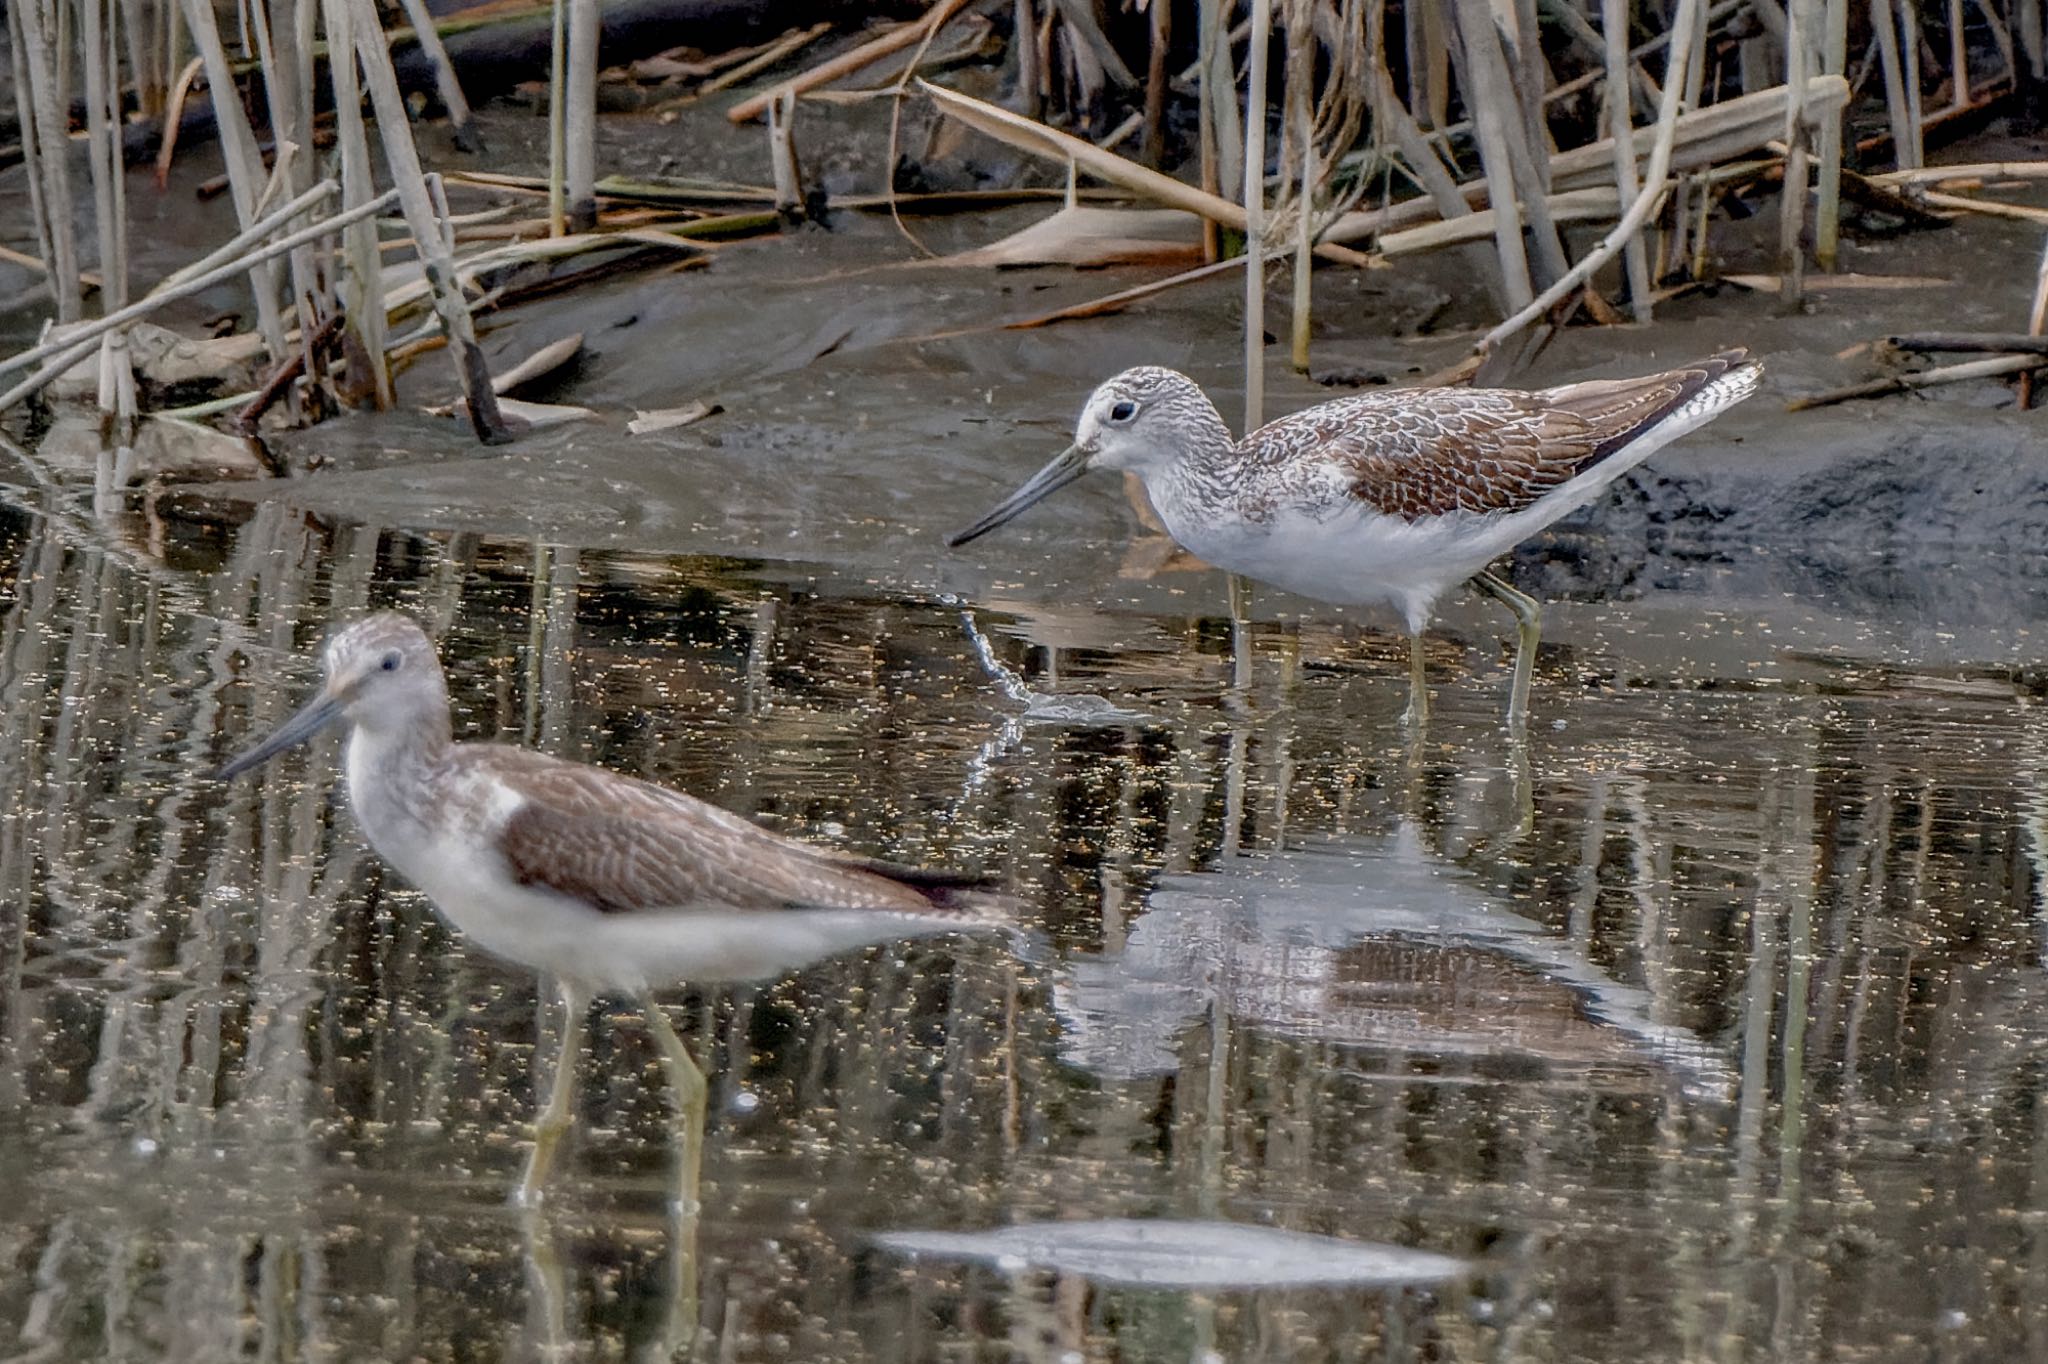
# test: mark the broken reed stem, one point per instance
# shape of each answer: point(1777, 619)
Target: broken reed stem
point(283, 376)
point(1686, 27)
point(1621, 127)
point(402, 158)
point(580, 117)
point(1827, 221)
point(1255, 217)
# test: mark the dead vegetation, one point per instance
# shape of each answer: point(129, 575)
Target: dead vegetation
point(1578, 152)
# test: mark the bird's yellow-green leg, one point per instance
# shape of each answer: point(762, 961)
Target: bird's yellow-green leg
point(691, 1093)
point(1417, 713)
point(554, 1119)
point(690, 1088)
point(1529, 628)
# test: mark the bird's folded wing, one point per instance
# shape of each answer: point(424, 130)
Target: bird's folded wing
point(1480, 452)
point(1423, 454)
point(623, 845)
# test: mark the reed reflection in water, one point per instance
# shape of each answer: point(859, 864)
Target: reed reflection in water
point(1738, 1051)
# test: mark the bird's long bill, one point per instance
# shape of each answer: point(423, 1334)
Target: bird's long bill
point(1071, 463)
point(316, 715)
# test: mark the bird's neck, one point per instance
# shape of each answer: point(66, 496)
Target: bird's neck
point(1198, 473)
point(390, 770)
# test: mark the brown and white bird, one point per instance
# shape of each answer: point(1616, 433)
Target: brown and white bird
point(603, 882)
point(1392, 497)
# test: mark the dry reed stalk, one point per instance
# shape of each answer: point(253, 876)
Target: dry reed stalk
point(1989, 207)
point(461, 123)
point(558, 58)
point(244, 164)
point(1905, 129)
point(366, 373)
point(1909, 52)
point(1390, 115)
point(1827, 223)
point(1022, 37)
point(789, 190)
point(1040, 140)
point(1704, 138)
point(1621, 127)
point(1304, 258)
point(1298, 154)
point(59, 355)
point(1599, 204)
point(31, 155)
point(1958, 58)
point(1219, 95)
point(1686, 30)
point(895, 40)
point(1799, 24)
point(1153, 150)
point(288, 93)
point(103, 149)
point(137, 17)
point(402, 158)
point(1974, 170)
point(1255, 217)
point(1490, 78)
point(1996, 343)
point(1998, 365)
point(789, 43)
point(35, 31)
point(580, 116)
point(1490, 128)
point(2037, 319)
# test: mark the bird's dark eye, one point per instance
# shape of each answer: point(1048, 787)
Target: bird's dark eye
point(1123, 411)
point(390, 663)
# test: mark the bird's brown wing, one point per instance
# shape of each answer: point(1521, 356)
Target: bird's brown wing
point(1423, 453)
point(623, 845)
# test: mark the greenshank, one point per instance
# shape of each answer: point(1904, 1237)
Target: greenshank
point(600, 881)
point(1393, 497)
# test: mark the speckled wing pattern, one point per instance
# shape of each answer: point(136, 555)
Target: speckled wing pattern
point(1423, 453)
point(623, 845)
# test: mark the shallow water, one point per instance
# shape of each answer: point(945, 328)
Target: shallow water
point(1711, 1025)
